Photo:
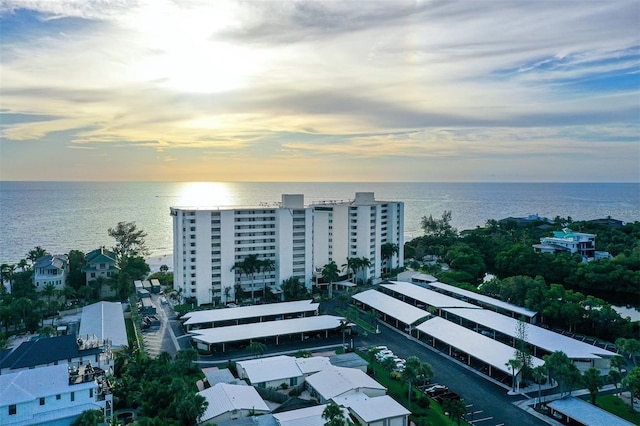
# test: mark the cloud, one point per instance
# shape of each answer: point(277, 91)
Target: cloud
point(359, 80)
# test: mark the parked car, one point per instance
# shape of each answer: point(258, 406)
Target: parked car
point(436, 389)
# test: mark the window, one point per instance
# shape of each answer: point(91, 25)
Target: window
point(13, 409)
point(73, 396)
point(58, 397)
point(41, 401)
point(93, 275)
point(91, 393)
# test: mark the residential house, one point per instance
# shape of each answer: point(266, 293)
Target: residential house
point(272, 372)
point(229, 402)
point(48, 351)
point(568, 241)
point(378, 411)
point(50, 269)
point(311, 416)
point(338, 381)
point(104, 321)
point(101, 263)
point(53, 395)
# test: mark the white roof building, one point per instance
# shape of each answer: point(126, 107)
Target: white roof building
point(209, 241)
point(105, 321)
point(311, 416)
point(426, 296)
point(313, 364)
point(338, 381)
point(390, 306)
point(381, 410)
point(229, 402)
point(587, 414)
point(45, 395)
point(236, 333)
point(536, 336)
point(486, 301)
point(270, 371)
point(244, 312)
point(484, 348)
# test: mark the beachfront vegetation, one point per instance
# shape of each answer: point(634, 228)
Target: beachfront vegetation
point(160, 389)
point(24, 309)
point(552, 284)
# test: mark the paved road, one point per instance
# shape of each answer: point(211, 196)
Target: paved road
point(160, 339)
point(488, 402)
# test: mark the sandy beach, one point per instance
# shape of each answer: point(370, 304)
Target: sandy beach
point(157, 260)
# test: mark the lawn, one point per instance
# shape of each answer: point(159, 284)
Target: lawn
point(614, 405)
point(432, 416)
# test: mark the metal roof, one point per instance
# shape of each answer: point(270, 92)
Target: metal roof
point(491, 351)
point(236, 333)
point(485, 299)
point(269, 309)
point(586, 413)
point(45, 350)
point(537, 336)
point(27, 385)
point(428, 297)
point(378, 408)
point(388, 305)
point(223, 398)
point(271, 368)
point(338, 380)
point(105, 320)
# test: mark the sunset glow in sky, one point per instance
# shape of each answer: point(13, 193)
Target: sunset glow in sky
point(483, 90)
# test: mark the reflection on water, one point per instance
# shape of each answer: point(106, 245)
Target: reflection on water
point(626, 311)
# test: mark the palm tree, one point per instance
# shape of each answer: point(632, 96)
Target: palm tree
point(49, 291)
point(539, 374)
point(456, 409)
point(593, 381)
point(248, 266)
point(23, 305)
point(266, 265)
point(6, 273)
point(96, 284)
point(350, 267)
point(387, 250)
point(363, 264)
point(330, 274)
point(514, 364)
point(415, 370)
point(36, 254)
point(23, 265)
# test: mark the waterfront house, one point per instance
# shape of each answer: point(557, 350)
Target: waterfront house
point(100, 263)
point(50, 269)
point(54, 395)
point(568, 241)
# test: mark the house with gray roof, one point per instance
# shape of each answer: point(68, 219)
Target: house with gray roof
point(229, 402)
point(47, 351)
point(51, 395)
point(50, 269)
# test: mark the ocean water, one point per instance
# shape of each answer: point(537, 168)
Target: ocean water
point(63, 216)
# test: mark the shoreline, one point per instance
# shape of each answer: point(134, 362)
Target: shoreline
point(156, 260)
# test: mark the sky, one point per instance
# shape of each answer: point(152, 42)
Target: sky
point(433, 91)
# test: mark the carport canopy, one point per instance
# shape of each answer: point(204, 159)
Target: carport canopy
point(391, 306)
point(236, 333)
point(255, 311)
point(537, 336)
point(484, 348)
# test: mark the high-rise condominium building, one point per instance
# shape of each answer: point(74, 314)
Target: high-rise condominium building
point(290, 240)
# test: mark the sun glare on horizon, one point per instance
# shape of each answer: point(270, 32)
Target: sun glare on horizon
point(205, 194)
